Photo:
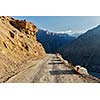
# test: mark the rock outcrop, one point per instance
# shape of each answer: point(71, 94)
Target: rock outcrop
point(18, 43)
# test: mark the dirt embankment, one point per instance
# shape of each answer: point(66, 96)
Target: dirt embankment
point(18, 46)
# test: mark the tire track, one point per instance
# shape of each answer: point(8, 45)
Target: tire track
point(40, 72)
point(52, 69)
point(29, 74)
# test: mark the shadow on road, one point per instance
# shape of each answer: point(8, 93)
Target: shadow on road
point(52, 63)
point(60, 72)
point(56, 60)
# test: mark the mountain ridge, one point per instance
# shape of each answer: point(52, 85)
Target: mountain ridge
point(52, 41)
point(84, 50)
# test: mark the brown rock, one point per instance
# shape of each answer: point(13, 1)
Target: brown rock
point(17, 44)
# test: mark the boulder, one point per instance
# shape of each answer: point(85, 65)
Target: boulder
point(81, 70)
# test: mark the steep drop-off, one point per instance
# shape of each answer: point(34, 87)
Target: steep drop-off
point(85, 50)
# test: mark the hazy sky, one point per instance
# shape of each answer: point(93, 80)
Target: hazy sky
point(71, 24)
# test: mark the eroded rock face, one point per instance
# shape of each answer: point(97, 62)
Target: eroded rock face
point(17, 43)
point(19, 37)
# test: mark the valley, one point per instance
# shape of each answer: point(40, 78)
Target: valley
point(53, 41)
point(32, 55)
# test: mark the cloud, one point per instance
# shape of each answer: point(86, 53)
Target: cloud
point(67, 32)
point(71, 33)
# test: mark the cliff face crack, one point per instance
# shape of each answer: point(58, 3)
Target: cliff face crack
point(18, 43)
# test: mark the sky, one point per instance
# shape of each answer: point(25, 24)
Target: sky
point(64, 24)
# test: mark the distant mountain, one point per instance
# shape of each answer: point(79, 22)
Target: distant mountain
point(53, 41)
point(84, 50)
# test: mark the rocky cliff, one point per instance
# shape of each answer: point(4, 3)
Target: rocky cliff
point(18, 44)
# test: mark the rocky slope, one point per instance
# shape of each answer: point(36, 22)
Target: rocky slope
point(53, 41)
point(18, 44)
point(85, 50)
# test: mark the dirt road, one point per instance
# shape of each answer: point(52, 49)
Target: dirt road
point(50, 70)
